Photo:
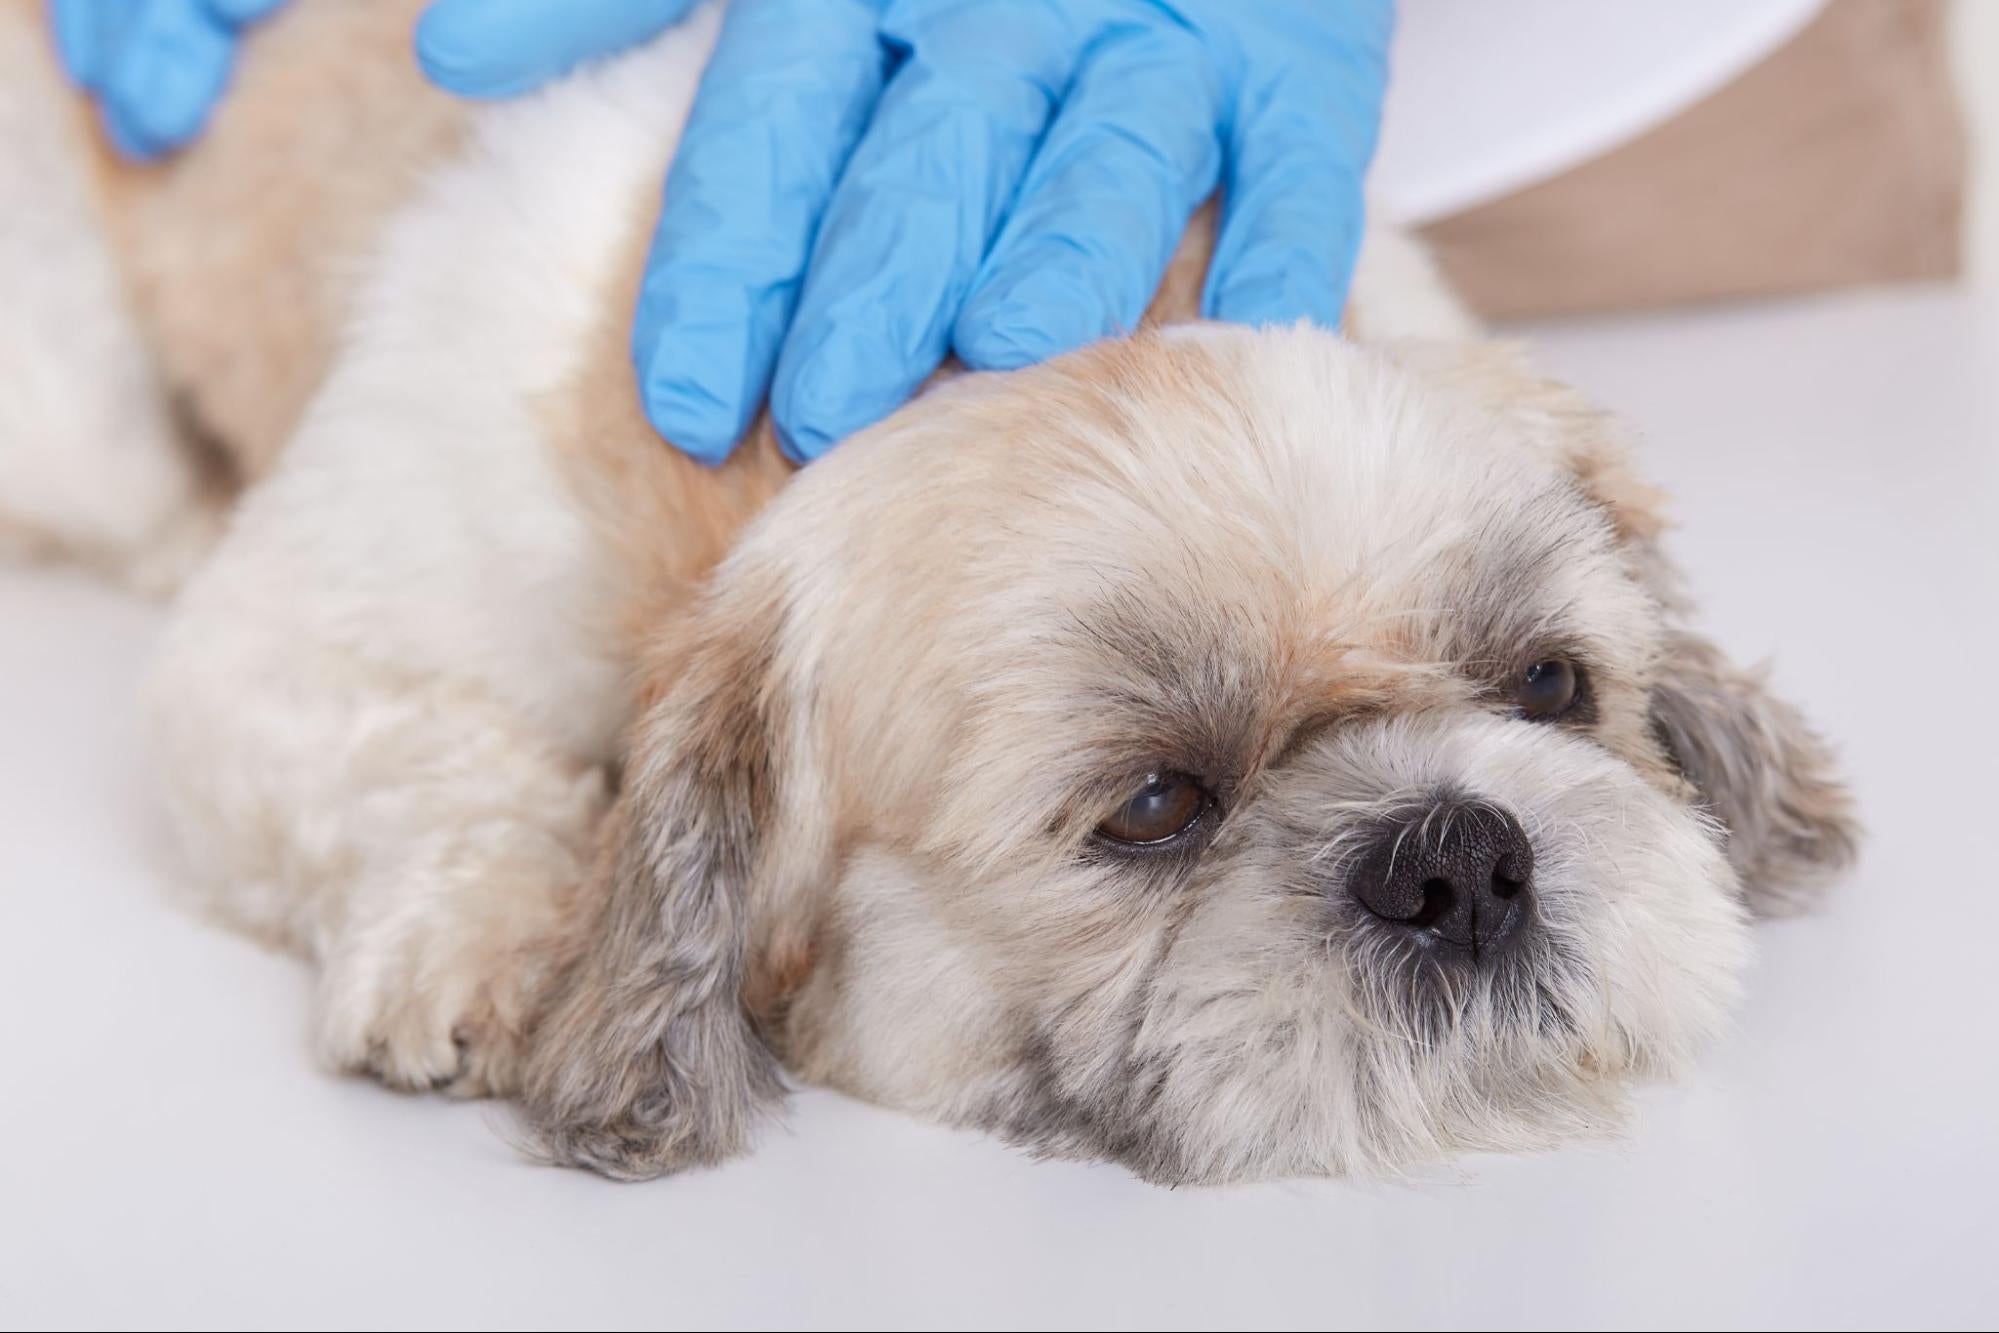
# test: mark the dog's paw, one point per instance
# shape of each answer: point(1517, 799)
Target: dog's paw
point(418, 1029)
point(439, 1005)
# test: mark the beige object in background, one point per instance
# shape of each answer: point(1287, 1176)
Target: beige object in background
point(1839, 160)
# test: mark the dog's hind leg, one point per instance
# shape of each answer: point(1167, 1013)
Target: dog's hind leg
point(92, 467)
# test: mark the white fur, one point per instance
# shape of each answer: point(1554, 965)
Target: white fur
point(361, 771)
point(1399, 293)
point(79, 404)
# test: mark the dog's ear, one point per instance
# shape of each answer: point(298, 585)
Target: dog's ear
point(1760, 770)
point(645, 1059)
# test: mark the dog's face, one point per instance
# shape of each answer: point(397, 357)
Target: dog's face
point(1231, 754)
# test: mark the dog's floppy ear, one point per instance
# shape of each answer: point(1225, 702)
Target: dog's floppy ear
point(645, 1059)
point(1759, 769)
point(1755, 763)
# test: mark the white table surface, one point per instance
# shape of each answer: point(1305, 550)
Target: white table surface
point(169, 1157)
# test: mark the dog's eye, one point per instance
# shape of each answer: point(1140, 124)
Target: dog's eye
point(1165, 807)
point(1548, 689)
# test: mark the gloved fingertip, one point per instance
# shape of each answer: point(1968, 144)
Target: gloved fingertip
point(165, 120)
point(691, 432)
point(1279, 298)
point(707, 454)
point(164, 85)
point(814, 404)
point(1017, 321)
point(686, 412)
point(989, 338)
point(809, 432)
point(804, 433)
point(238, 13)
point(831, 386)
point(126, 139)
point(455, 53)
point(479, 49)
point(76, 34)
point(801, 444)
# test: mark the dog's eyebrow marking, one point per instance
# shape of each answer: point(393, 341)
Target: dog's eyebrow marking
point(1510, 592)
point(1189, 689)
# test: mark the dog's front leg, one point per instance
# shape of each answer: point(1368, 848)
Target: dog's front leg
point(384, 715)
point(417, 839)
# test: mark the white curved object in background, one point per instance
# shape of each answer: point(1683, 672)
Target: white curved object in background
point(1488, 96)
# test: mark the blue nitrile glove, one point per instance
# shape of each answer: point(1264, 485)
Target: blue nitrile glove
point(155, 67)
point(866, 185)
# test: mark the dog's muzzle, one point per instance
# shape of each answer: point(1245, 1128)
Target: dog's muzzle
point(1457, 877)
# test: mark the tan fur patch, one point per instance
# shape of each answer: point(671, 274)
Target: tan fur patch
point(1178, 299)
point(668, 518)
point(242, 254)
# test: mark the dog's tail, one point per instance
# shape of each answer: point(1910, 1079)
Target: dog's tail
point(1398, 293)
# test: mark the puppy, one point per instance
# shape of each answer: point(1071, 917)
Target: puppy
point(1230, 753)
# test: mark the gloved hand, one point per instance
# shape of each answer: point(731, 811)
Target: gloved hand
point(865, 185)
point(155, 67)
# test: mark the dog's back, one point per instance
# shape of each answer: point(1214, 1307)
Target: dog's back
point(241, 254)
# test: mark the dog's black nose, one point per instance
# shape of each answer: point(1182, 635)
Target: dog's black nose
point(1460, 874)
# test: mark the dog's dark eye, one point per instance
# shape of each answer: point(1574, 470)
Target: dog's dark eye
point(1165, 807)
point(1549, 689)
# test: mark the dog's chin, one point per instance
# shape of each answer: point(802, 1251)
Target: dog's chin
point(1532, 1049)
point(1541, 1041)
point(1508, 1070)
point(1628, 967)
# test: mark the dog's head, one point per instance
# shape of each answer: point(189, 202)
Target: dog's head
point(1228, 753)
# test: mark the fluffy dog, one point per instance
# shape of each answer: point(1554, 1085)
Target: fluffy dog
point(1230, 753)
